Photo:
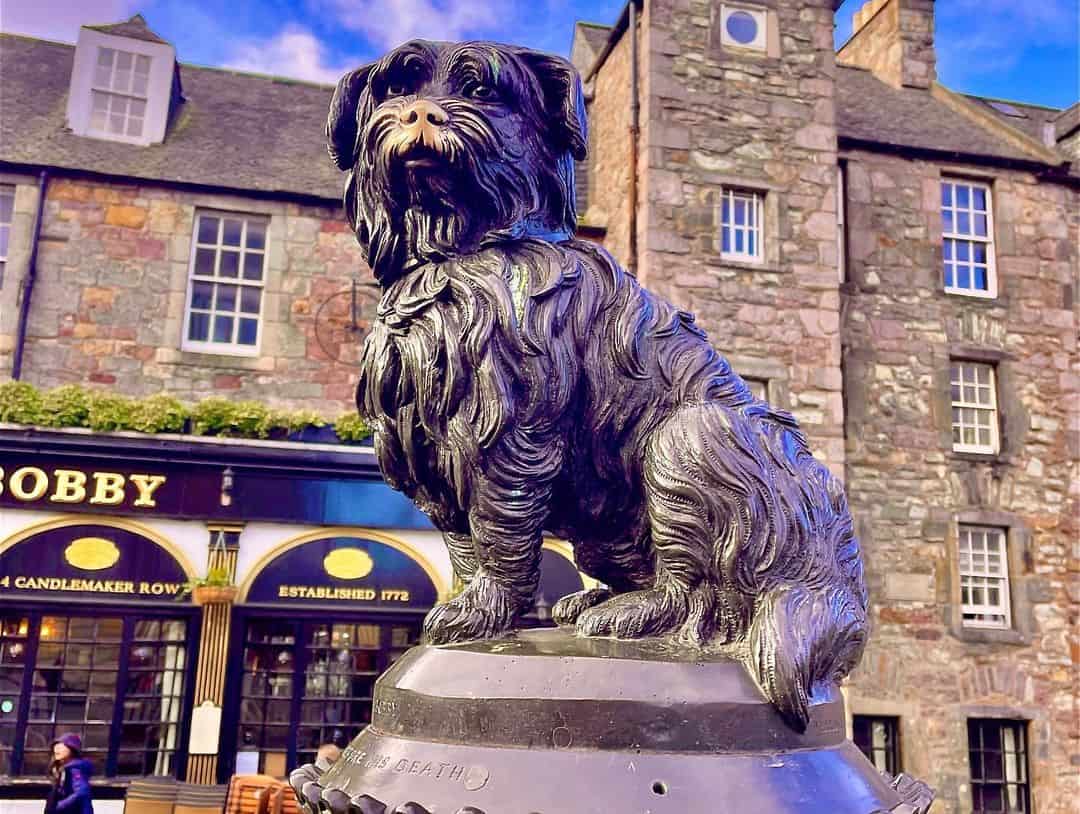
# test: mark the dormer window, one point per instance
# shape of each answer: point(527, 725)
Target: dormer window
point(122, 83)
point(118, 97)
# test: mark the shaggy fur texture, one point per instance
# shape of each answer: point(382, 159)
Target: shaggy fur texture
point(520, 381)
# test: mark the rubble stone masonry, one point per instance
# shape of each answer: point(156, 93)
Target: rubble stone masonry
point(716, 117)
point(108, 305)
point(909, 491)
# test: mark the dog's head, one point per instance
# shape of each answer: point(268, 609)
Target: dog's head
point(450, 145)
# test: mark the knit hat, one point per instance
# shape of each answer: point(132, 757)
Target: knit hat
point(71, 740)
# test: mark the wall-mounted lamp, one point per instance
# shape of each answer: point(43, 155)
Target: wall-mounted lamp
point(227, 477)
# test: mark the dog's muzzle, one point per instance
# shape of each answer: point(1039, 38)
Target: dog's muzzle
point(421, 124)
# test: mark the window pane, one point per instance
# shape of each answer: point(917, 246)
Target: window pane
point(256, 234)
point(963, 223)
point(134, 127)
point(201, 294)
point(249, 299)
point(199, 327)
point(4, 231)
point(231, 234)
point(204, 262)
point(946, 194)
point(253, 263)
point(947, 221)
point(226, 298)
point(980, 198)
point(223, 327)
point(230, 264)
point(962, 199)
point(980, 225)
point(208, 229)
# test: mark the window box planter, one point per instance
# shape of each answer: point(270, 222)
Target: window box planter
point(214, 594)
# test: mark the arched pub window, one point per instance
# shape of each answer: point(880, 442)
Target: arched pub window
point(92, 641)
point(318, 624)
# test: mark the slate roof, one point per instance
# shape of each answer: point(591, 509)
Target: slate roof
point(234, 130)
point(262, 134)
point(1067, 121)
point(867, 109)
point(1029, 118)
point(136, 28)
point(596, 34)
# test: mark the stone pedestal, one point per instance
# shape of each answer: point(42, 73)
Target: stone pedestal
point(544, 722)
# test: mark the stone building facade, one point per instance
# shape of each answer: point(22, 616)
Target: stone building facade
point(790, 196)
point(844, 314)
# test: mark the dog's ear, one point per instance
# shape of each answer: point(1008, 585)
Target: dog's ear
point(341, 123)
point(564, 99)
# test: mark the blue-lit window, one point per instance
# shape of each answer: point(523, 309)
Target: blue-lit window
point(967, 231)
point(742, 27)
point(228, 268)
point(741, 234)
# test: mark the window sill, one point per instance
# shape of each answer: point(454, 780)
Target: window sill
point(989, 635)
point(977, 296)
point(978, 457)
point(218, 360)
point(750, 265)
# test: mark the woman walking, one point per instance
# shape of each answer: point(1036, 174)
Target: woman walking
point(70, 775)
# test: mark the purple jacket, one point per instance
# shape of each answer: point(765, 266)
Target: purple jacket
point(73, 790)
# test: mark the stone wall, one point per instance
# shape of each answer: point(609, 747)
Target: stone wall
point(895, 40)
point(763, 122)
point(908, 490)
point(108, 306)
point(608, 175)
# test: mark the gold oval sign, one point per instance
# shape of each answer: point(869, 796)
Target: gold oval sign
point(92, 553)
point(348, 563)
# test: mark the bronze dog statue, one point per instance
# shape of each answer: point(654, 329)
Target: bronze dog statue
point(519, 381)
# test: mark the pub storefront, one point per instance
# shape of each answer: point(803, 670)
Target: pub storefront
point(329, 576)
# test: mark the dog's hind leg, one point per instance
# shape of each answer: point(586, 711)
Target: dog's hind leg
point(682, 530)
point(624, 565)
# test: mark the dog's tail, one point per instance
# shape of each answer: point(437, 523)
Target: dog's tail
point(800, 636)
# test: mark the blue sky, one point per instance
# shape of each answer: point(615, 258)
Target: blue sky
point(1015, 49)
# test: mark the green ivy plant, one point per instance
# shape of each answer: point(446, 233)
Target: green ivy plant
point(103, 411)
point(351, 428)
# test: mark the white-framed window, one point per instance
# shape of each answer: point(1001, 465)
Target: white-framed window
point(743, 28)
point(7, 215)
point(973, 391)
point(741, 232)
point(967, 229)
point(984, 577)
point(118, 93)
point(225, 284)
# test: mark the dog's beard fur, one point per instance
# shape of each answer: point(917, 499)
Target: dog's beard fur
point(486, 186)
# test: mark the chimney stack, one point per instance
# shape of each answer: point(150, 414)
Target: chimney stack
point(895, 40)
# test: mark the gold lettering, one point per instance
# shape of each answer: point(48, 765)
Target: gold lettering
point(108, 489)
point(147, 485)
point(1, 480)
point(17, 483)
point(70, 486)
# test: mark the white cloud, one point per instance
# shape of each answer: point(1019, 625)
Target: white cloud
point(60, 19)
point(388, 23)
point(293, 52)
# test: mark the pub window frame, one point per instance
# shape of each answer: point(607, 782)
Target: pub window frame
point(889, 750)
point(129, 614)
point(977, 762)
point(215, 280)
point(954, 238)
point(302, 618)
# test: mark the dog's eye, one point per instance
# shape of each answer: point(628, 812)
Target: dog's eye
point(395, 89)
point(475, 90)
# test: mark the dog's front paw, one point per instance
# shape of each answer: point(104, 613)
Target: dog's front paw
point(635, 615)
point(484, 610)
point(567, 610)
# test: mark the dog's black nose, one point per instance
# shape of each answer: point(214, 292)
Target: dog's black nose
point(423, 112)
